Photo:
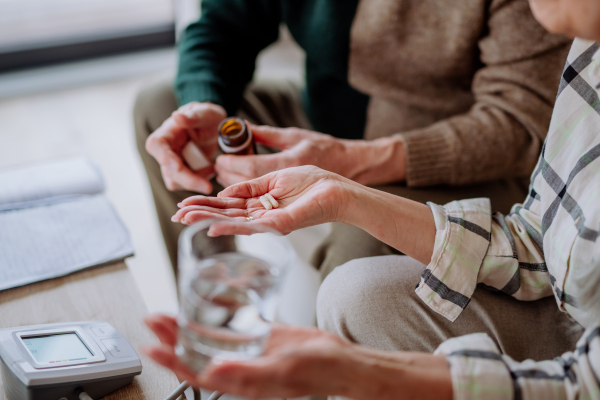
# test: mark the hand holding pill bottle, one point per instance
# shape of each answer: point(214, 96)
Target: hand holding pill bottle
point(185, 146)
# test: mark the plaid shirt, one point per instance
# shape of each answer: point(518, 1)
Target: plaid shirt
point(534, 252)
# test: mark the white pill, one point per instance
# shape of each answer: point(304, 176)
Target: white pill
point(194, 157)
point(272, 200)
point(265, 202)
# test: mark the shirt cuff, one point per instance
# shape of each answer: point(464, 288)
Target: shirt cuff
point(477, 368)
point(462, 240)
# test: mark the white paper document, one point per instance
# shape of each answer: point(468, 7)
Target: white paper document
point(54, 220)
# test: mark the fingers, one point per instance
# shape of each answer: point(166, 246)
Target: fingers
point(277, 373)
point(165, 356)
point(178, 176)
point(250, 189)
point(278, 138)
point(226, 178)
point(193, 214)
point(164, 327)
point(241, 228)
point(254, 379)
point(164, 319)
point(253, 166)
point(160, 148)
point(197, 208)
point(216, 202)
point(230, 377)
point(199, 115)
point(234, 169)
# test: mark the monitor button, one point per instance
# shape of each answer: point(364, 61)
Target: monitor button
point(119, 347)
point(103, 331)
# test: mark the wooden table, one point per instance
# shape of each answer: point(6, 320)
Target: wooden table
point(107, 294)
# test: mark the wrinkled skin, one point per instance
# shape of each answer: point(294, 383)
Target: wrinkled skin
point(296, 362)
point(307, 196)
point(195, 121)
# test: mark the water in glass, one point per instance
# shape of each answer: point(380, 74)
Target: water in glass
point(225, 307)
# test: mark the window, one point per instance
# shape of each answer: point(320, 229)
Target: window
point(40, 32)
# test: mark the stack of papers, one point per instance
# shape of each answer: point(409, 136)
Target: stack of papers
point(55, 220)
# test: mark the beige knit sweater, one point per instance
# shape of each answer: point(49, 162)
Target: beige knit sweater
point(468, 85)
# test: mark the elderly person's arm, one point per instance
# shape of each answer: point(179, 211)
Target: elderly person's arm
point(462, 245)
point(310, 196)
point(306, 361)
point(517, 66)
point(300, 362)
point(500, 135)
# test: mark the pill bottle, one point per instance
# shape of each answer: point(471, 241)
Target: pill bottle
point(235, 137)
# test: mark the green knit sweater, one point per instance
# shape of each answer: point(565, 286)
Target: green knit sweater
point(218, 55)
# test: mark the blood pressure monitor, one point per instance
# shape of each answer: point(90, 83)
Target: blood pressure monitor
point(59, 361)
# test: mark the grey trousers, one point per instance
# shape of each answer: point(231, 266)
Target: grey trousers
point(279, 104)
point(372, 301)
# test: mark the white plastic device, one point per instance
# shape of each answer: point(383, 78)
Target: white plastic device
point(55, 361)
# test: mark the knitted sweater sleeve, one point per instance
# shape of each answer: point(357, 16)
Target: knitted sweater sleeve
point(217, 53)
point(501, 135)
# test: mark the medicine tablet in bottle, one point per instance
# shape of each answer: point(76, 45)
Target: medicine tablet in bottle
point(235, 137)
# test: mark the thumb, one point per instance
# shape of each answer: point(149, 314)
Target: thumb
point(250, 189)
point(278, 138)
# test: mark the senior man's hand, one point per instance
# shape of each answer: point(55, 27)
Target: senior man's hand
point(307, 361)
point(366, 162)
point(195, 121)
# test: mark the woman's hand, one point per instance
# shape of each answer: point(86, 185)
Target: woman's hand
point(307, 361)
point(368, 162)
point(307, 196)
point(296, 362)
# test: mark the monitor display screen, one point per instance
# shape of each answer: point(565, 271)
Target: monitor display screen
point(57, 348)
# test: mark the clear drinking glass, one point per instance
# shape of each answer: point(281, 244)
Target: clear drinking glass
point(228, 290)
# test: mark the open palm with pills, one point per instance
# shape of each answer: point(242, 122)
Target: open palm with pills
point(307, 196)
point(285, 200)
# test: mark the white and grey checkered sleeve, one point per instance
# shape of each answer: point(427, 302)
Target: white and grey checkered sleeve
point(473, 247)
point(461, 243)
point(480, 372)
point(515, 263)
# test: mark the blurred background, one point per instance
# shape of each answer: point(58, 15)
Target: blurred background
point(38, 32)
point(69, 74)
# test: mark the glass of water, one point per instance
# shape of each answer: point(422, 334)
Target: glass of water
point(228, 290)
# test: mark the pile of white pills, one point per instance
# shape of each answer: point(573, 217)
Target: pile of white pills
point(268, 201)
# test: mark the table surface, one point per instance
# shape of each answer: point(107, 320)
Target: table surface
point(107, 294)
